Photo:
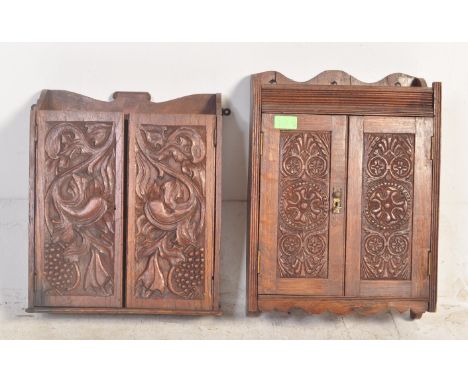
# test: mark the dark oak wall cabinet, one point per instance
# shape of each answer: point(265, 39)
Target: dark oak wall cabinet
point(344, 190)
point(125, 204)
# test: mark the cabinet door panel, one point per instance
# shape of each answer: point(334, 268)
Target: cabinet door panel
point(301, 243)
point(389, 199)
point(78, 240)
point(170, 211)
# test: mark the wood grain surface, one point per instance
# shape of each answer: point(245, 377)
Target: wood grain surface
point(390, 200)
point(79, 149)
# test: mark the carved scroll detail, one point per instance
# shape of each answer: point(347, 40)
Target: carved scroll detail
point(387, 206)
point(170, 210)
point(79, 208)
point(303, 204)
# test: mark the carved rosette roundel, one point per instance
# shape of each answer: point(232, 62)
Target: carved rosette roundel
point(375, 244)
point(170, 211)
point(290, 244)
point(387, 206)
point(303, 204)
point(79, 208)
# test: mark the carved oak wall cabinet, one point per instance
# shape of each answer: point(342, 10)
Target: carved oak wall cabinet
point(344, 194)
point(125, 204)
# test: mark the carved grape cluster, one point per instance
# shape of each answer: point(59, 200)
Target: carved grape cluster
point(188, 275)
point(59, 272)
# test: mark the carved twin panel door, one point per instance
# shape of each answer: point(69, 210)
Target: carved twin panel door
point(170, 212)
point(389, 207)
point(345, 216)
point(83, 257)
point(79, 209)
point(301, 244)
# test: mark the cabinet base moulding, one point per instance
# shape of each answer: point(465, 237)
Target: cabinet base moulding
point(342, 306)
point(125, 311)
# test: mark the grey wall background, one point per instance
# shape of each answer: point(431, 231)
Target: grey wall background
point(172, 70)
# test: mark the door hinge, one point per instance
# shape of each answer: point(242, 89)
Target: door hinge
point(212, 286)
point(429, 262)
point(432, 148)
point(258, 262)
point(35, 131)
point(261, 143)
point(215, 137)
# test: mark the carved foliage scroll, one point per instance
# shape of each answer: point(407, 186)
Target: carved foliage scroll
point(170, 211)
point(387, 206)
point(79, 208)
point(303, 204)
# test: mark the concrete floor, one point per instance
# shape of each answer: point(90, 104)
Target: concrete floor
point(450, 322)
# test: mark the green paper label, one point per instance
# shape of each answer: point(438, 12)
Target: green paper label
point(285, 122)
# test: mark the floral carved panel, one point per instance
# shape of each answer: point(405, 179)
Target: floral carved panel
point(387, 199)
point(170, 212)
point(303, 204)
point(79, 213)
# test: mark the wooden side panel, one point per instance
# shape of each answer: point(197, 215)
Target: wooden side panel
point(171, 200)
point(436, 142)
point(78, 227)
point(254, 189)
point(32, 206)
point(388, 207)
point(301, 242)
point(218, 143)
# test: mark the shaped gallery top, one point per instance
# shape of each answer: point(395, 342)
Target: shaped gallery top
point(129, 102)
point(337, 92)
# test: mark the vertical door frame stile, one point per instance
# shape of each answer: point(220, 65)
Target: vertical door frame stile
point(130, 201)
point(353, 211)
point(126, 137)
point(436, 154)
point(345, 202)
point(424, 130)
point(344, 193)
